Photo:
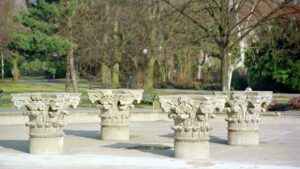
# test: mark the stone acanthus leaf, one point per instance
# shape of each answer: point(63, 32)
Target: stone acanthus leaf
point(46, 109)
point(114, 104)
point(246, 106)
point(191, 115)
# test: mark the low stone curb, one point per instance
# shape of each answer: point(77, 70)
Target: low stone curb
point(90, 115)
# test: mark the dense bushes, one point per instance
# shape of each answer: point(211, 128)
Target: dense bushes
point(239, 79)
point(295, 103)
point(173, 85)
point(274, 62)
point(277, 106)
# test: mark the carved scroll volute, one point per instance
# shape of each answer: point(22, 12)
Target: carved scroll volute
point(34, 104)
point(137, 95)
point(103, 99)
point(166, 104)
point(128, 97)
point(236, 106)
point(74, 100)
point(256, 104)
point(219, 102)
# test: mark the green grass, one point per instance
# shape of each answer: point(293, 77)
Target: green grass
point(282, 99)
point(10, 87)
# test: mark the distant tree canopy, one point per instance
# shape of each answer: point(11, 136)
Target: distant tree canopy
point(155, 43)
point(41, 37)
point(274, 61)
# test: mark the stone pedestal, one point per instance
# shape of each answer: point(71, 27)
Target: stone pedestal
point(243, 138)
point(191, 141)
point(46, 113)
point(243, 110)
point(114, 128)
point(49, 145)
point(191, 116)
point(114, 105)
point(243, 133)
point(191, 150)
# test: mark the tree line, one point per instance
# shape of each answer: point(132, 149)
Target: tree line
point(149, 43)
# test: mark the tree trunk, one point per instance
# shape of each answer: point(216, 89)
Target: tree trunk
point(117, 53)
point(68, 75)
point(226, 69)
point(15, 69)
point(115, 76)
point(2, 66)
point(105, 71)
point(71, 58)
point(105, 75)
point(199, 72)
point(201, 61)
point(148, 85)
point(243, 46)
point(72, 70)
point(164, 72)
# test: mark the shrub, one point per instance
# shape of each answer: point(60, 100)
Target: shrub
point(197, 86)
point(213, 86)
point(239, 79)
point(277, 106)
point(273, 63)
point(295, 103)
point(174, 85)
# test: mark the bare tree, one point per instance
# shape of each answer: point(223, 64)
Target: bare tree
point(8, 9)
point(228, 22)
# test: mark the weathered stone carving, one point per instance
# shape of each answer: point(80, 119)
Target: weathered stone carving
point(191, 115)
point(243, 110)
point(115, 105)
point(46, 113)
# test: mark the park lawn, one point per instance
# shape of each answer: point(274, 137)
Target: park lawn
point(10, 87)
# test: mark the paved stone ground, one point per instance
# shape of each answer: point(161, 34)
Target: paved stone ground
point(279, 148)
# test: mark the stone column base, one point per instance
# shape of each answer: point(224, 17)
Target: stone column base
point(191, 150)
point(51, 145)
point(114, 132)
point(243, 138)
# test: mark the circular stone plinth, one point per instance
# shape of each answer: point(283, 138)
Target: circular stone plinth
point(114, 132)
point(191, 150)
point(243, 138)
point(49, 145)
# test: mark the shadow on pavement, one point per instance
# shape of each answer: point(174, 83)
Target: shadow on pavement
point(169, 135)
point(157, 149)
point(83, 133)
point(218, 140)
point(19, 145)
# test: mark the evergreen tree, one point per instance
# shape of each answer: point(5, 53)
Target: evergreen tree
point(274, 61)
point(42, 36)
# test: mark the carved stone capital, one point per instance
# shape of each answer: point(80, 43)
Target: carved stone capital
point(46, 111)
point(115, 104)
point(245, 107)
point(191, 115)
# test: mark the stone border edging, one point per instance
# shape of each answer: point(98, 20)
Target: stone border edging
point(90, 115)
